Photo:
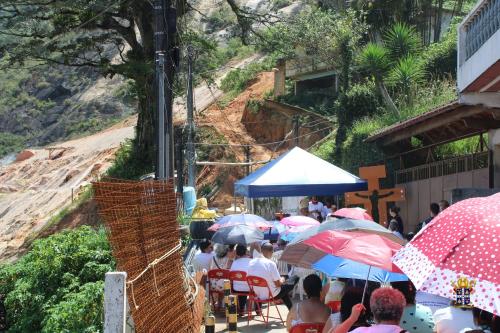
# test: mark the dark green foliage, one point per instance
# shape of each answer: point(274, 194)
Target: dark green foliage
point(58, 285)
point(129, 163)
point(356, 152)
point(318, 100)
point(360, 101)
point(440, 59)
point(374, 59)
point(10, 143)
point(401, 40)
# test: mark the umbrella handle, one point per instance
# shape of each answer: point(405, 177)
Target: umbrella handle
point(366, 285)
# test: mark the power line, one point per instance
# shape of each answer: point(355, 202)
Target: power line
point(258, 144)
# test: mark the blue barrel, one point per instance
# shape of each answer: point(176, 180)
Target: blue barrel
point(189, 196)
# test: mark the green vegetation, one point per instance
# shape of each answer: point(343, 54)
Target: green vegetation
point(355, 152)
point(219, 19)
point(237, 80)
point(58, 285)
point(11, 143)
point(129, 163)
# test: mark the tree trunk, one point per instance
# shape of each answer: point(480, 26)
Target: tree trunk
point(387, 98)
point(438, 20)
point(146, 120)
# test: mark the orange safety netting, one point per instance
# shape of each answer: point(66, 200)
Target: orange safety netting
point(140, 218)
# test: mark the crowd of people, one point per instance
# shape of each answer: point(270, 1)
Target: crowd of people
point(342, 305)
point(321, 211)
point(391, 308)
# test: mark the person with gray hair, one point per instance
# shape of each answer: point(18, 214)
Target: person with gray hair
point(387, 306)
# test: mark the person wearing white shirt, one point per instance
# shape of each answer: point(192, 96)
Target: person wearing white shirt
point(315, 208)
point(328, 209)
point(393, 227)
point(453, 319)
point(202, 260)
point(267, 269)
point(241, 264)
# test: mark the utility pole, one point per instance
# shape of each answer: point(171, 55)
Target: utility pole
point(296, 126)
point(190, 152)
point(164, 69)
point(247, 155)
point(180, 164)
point(160, 42)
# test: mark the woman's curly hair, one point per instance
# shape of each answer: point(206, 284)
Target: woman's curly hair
point(387, 304)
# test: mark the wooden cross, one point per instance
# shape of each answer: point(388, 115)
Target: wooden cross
point(375, 199)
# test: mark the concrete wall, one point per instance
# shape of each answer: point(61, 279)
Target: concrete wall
point(420, 194)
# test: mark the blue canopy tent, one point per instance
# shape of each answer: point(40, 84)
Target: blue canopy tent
point(298, 173)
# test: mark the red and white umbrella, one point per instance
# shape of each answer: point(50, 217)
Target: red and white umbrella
point(462, 242)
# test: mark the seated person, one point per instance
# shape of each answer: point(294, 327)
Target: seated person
point(311, 310)
point(393, 227)
point(265, 268)
point(350, 297)
point(282, 265)
point(453, 319)
point(434, 211)
point(241, 264)
point(387, 306)
point(202, 260)
point(417, 318)
point(486, 322)
point(333, 291)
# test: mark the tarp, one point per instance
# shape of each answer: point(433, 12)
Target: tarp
point(298, 173)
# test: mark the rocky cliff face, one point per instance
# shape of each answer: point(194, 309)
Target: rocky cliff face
point(44, 105)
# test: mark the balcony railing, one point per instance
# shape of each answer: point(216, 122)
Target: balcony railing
point(445, 167)
point(481, 25)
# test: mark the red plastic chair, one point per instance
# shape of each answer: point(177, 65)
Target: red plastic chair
point(308, 328)
point(255, 281)
point(214, 275)
point(241, 277)
point(334, 306)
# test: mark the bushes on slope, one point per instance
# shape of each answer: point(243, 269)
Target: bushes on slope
point(58, 285)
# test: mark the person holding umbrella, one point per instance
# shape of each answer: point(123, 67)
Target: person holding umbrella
point(387, 306)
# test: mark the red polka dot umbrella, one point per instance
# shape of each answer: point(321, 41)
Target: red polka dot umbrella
point(462, 242)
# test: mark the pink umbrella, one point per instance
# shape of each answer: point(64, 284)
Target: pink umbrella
point(298, 220)
point(291, 232)
point(460, 246)
point(353, 213)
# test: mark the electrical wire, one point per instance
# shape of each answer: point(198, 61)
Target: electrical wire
point(259, 144)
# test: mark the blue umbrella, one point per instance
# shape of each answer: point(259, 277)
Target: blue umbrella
point(344, 268)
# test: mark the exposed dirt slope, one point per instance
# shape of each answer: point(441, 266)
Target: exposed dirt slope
point(34, 189)
point(227, 121)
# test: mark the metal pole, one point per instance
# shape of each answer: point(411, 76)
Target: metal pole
point(160, 42)
point(161, 172)
point(247, 155)
point(366, 284)
point(190, 137)
point(296, 126)
point(180, 165)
